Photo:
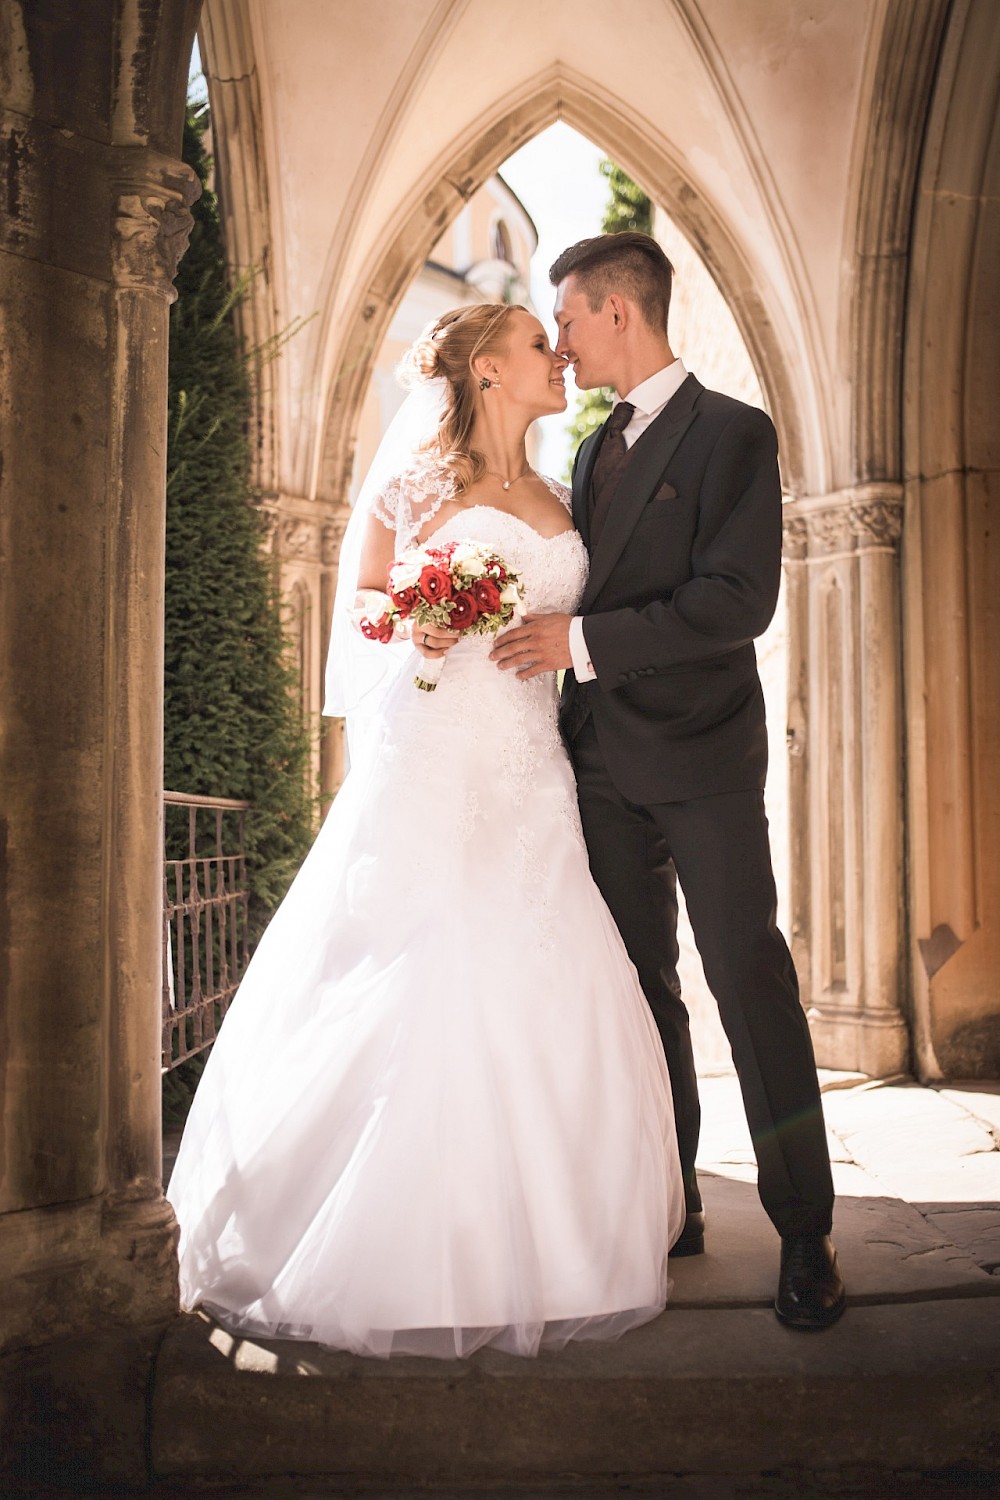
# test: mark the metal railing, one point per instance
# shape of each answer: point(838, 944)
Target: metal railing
point(205, 919)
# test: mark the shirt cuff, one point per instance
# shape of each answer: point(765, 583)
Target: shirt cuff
point(583, 667)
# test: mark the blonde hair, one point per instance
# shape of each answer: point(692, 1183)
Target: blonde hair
point(446, 349)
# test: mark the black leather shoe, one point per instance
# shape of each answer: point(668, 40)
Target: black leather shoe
point(692, 1236)
point(810, 1290)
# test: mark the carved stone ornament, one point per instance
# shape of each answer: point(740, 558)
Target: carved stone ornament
point(795, 536)
point(879, 523)
point(152, 220)
point(853, 521)
point(828, 530)
point(298, 538)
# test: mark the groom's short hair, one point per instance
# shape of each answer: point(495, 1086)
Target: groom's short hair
point(630, 263)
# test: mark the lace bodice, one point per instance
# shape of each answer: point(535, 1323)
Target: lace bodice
point(552, 569)
point(411, 500)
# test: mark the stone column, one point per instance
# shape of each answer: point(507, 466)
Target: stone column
point(797, 605)
point(304, 538)
point(87, 259)
point(844, 735)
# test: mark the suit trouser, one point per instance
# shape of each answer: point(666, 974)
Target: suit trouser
point(719, 847)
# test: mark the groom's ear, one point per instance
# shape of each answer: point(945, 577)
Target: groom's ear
point(618, 308)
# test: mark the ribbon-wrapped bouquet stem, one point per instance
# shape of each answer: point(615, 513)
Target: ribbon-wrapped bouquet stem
point(461, 586)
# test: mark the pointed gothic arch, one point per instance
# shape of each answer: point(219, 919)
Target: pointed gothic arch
point(776, 351)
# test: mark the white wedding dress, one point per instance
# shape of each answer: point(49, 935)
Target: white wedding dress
point(438, 1114)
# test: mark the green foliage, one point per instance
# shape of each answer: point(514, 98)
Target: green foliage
point(592, 410)
point(179, 1087)
point(628, 208)
point(232, 725)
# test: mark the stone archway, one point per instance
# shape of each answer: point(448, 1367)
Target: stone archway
point(843, 713)
point(781, 347)
point(843, 525)
point(450, 181)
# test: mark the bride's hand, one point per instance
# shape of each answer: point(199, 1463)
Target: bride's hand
point(431, 641)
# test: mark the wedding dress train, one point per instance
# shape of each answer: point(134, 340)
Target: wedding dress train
point(438, 1114)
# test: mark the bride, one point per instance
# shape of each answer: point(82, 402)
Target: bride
point(438, 1114)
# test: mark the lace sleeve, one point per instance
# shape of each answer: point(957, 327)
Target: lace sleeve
point(561, 491)
point(386, 504)
point(420, 492)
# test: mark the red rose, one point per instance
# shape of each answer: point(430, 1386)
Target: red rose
point(406, 601)
point(486, 595)
point(464, 611)
point(378, 630)
point(435, 584)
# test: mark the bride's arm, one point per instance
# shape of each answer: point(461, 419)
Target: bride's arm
point(377, 550)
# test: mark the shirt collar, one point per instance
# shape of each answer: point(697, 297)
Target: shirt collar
point(650, 396)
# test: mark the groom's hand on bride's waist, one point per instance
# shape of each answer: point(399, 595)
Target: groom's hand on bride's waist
point(541, 644)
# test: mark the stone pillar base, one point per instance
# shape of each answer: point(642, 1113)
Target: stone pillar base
point(860, 1042)
point(73, 1267)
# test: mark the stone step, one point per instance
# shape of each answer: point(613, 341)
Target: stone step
point(911, 1385)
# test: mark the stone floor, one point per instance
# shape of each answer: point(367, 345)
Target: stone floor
point(714, 1400)
point(797, 1484)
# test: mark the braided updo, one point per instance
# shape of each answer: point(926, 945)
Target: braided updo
point(446, 349)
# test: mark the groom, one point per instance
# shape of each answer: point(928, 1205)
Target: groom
point(679, 502)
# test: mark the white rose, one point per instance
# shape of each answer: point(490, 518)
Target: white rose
point(404, 575)
point(468, 556)
point(369, 604)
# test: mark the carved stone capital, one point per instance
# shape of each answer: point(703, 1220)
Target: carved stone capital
point(152, 220)
point(828, 531)
point(877, 523)
point(795, 538)
point(847, 523)
point(298, 538)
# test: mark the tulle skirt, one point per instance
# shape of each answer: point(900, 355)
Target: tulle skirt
point(438, 1114)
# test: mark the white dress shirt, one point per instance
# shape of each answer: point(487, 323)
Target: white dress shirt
point(649, 398)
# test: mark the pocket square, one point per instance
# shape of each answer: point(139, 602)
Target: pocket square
point(665, 492)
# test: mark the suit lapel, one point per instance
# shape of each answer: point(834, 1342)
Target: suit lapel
point(647, 460)
point(581, 482)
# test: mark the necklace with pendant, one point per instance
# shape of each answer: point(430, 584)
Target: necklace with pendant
point(505, 484)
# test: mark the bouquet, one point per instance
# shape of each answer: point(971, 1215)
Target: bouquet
point(461, 586)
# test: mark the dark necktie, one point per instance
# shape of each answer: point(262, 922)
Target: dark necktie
point(608, 468)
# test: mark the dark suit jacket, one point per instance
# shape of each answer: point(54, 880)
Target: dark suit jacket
point(684, 577)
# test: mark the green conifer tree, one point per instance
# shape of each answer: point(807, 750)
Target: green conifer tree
point(628, 208)
point(232, 725)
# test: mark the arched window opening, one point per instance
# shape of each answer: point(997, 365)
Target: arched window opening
point(501, 246)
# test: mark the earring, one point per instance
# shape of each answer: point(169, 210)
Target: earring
point(485, 383)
